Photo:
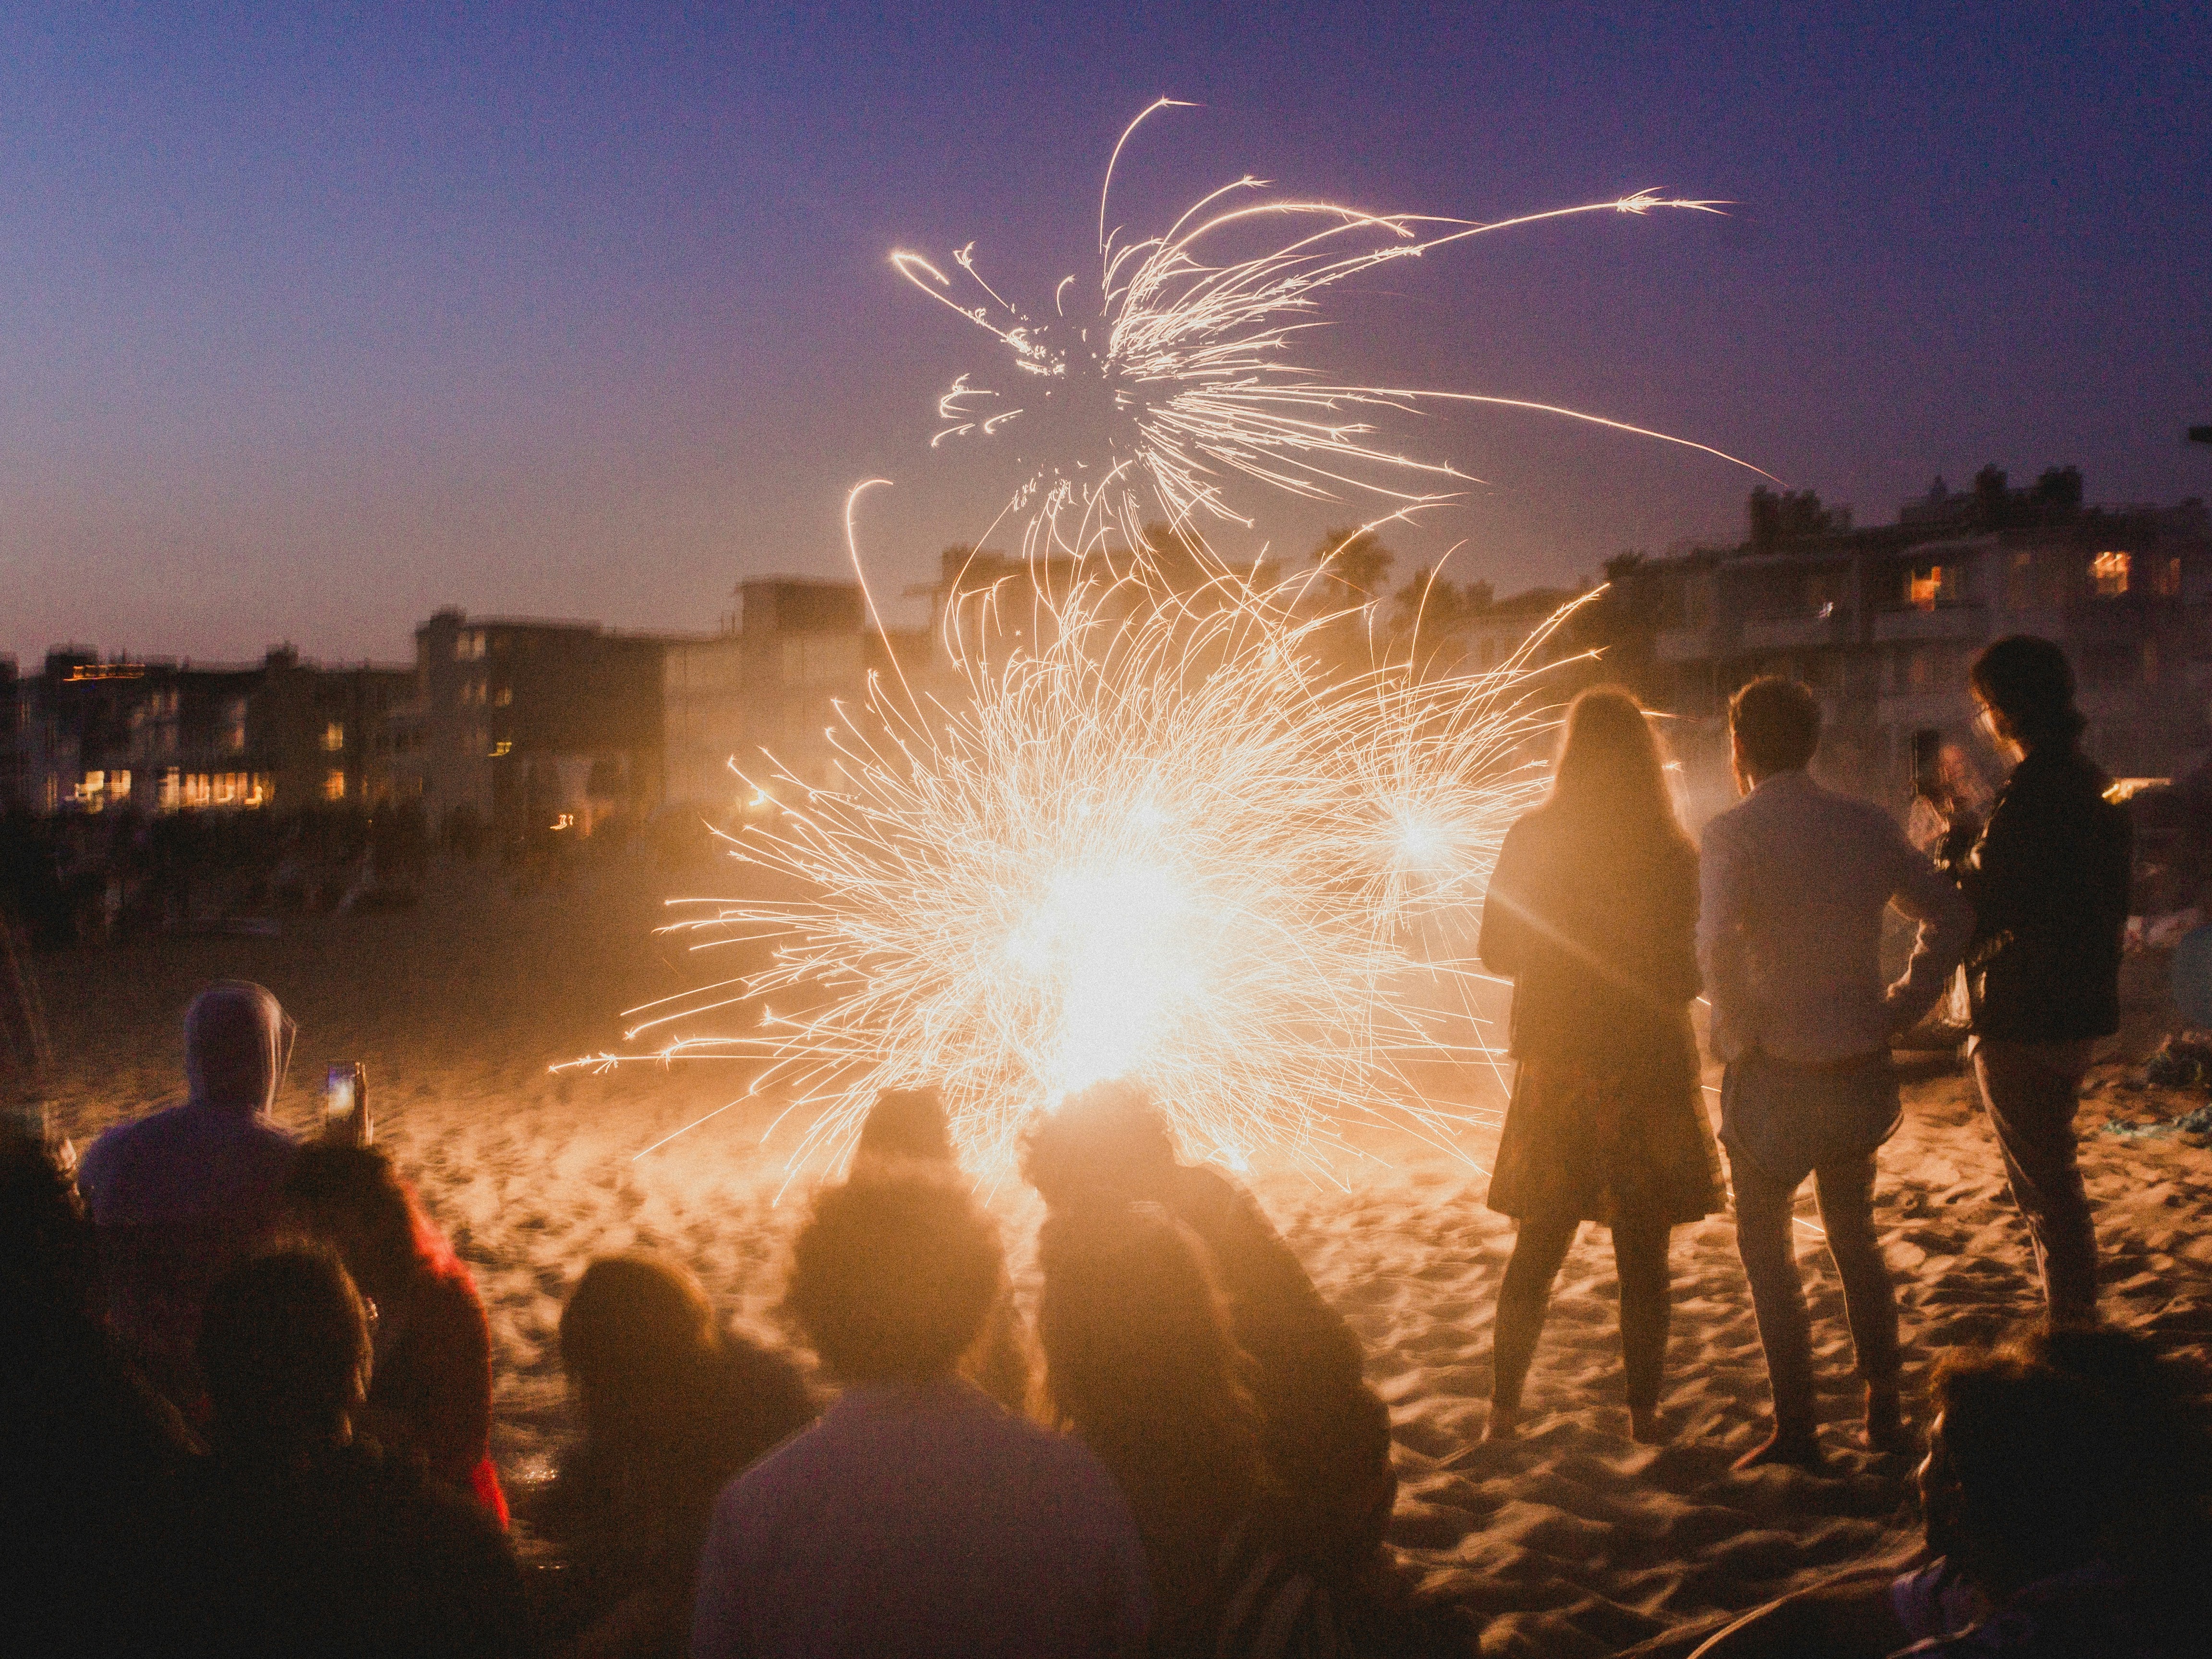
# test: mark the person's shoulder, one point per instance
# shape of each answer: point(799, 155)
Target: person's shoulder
point(1728, 826)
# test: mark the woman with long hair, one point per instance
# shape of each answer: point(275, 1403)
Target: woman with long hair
point(430, 1392)
point(1592, 912)
point(673, 1404)
point(1140, 1365)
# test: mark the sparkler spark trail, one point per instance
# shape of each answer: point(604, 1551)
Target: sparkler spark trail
point(1180, 380)
point(1144, 819)
point(1160, 844)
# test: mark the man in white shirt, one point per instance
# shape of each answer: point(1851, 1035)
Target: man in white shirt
point(1794, 879)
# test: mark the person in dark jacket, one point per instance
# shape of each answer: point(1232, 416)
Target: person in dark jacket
point(2048, 877)
point(674, 1406)
point(430, 1393)
point(1592, 911)
point(1324, 1432)
point(296, 1537)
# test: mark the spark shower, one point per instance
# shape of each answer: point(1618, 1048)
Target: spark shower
point(1152, 812)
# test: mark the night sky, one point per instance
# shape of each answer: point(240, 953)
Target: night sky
point(309, 328)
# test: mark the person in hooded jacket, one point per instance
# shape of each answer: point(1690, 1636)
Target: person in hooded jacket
point(180, 1196)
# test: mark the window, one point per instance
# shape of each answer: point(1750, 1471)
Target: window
point(503, 697)
point(2108, 574)
point(334, 784)
point(503, 747)
point(118, 786)
point(2167, 581)
point(469, 645)
point(234, 719)
point(1920, 670)
point(334, 737)
point(1928, 585)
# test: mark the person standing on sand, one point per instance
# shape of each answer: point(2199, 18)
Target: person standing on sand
point(1324, 1431)
point(2048, 878)
point(1795, 881)
point(918, 1516)
point(1592, 913)
point(181, 1195)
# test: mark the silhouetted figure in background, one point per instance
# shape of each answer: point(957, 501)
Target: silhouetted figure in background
point(673, 1406)
point(85, 1443)
point(182, 1195)
point(908, 1127)
point(1324, 1433)
point(918, 1516)
point(429, 1393)
point(2065, 1495)
point(1140, 1364)
point(1794, 883)
point(2048, 878)
point(1592, 911)
point(296, 1537)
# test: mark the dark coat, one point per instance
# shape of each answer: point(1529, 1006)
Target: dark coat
point(1597, 928)
point(2048, 879)
point(1598, 931)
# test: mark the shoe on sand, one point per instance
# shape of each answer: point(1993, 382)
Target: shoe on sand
point(1505, 1422)
point(1885, 1424)
point(1646, 1427)
point(1795, 1448)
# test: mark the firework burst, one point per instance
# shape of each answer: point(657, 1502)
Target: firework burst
point(1149, 398)
point(1151, 816)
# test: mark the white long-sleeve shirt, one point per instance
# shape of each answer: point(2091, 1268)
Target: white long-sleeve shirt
point(1793, 880)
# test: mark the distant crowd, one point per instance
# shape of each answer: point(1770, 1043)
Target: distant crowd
point(251, 1411)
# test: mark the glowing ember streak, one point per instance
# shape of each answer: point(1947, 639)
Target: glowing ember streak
point(1180, 380)
point(1147, 822)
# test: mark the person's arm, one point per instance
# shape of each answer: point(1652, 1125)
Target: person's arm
point(1502, 942)
point(1947, 926)
point(1723, 917)
point(1678, 978)
point(718, 1630)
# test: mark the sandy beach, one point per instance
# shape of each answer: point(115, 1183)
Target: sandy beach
point(1573, 1540)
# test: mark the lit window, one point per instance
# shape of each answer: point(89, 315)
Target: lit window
point(172, 794)
point(334, 737)
point(469, 645)
point(92, 793)
point(503, 696)
point(2108, 573)
point(118, 786)
point(334, 784)
point(1920, 670)
point(503, 747)
point(2168, 581)
point(1927, 586)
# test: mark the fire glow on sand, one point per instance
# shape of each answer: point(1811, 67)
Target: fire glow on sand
point(1153, 819)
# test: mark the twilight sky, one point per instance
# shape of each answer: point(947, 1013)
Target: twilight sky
point(308, 327)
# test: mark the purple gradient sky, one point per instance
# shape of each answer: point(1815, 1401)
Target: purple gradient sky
point(309, 327)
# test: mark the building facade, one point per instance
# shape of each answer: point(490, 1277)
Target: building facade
point(87, 733)
point(515, 725)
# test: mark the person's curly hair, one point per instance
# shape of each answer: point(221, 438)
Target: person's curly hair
point(894, 1274)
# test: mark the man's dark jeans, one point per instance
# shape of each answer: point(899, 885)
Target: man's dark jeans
point(1764, 1207)
point(2032, 1090)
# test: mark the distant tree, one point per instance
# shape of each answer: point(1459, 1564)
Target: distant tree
point(1436, 608)
point(1792, 515)
point(1358, 564)
point(1993, 497)
point(2059, 487)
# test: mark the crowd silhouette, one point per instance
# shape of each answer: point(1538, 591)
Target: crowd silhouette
point(249, 1407)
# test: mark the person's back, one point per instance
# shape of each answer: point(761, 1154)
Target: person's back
point(673, 1408)
point(918, 1517)
point(85, 1444)
point(353, 1551)
point(1593, 926)
point(295, 1537)
point(1814, 870)
point(180, 1195)
point(923, 1518)
point(1325, 1432)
